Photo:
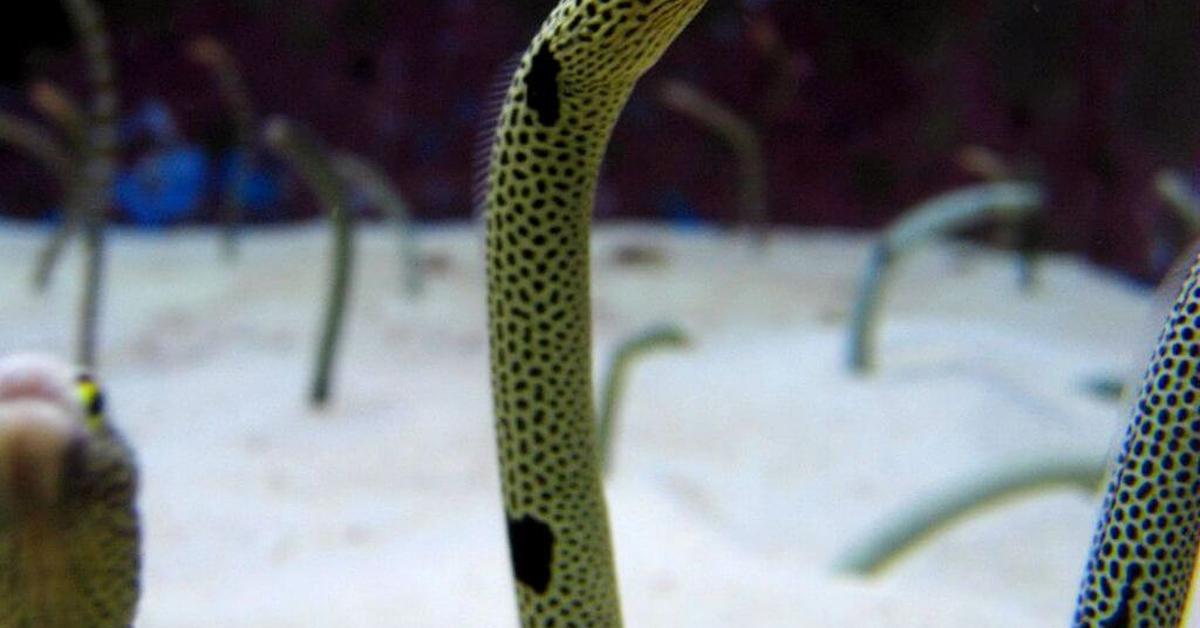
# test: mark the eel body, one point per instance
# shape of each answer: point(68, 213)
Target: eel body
point(210, 53)
point(88, 200)
point(373, 184)
point(659, 336)
point(551, 135)
point(1140, 565)
point(1009, 201)
point(69, 534)
point(304, 152)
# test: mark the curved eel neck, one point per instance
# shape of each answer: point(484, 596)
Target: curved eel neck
point(553, 130)
point(540, 317)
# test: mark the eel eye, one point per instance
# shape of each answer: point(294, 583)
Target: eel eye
point(92, 400)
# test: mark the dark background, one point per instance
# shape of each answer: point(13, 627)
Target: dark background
point(1094, 96)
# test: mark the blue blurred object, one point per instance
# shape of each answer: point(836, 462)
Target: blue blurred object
point(163, 187)
point(678, 210)
point(258, 191)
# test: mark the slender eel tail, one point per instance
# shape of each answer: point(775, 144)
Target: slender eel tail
point(302, 150)
point(898, 536)
point(40, 144)
point(613, 388)
point(373, 183)
point(558, 113)
point(57, 105)
point(52, 102)
point(1008, 201)
point(743, 138)
point(216, 57)
point(37, 142)
point(93, 191)
point(1139, 569)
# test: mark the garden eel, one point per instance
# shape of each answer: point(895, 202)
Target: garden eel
point(55, 104)
point(89, 198)
point(69, 536)
point(745, 140)
point(303, 150)
point(38, 143)
point(1139, 567)
point(661, 336)
point(551, 134)
point(372, 183)
point(210, 53)
point(1009, 201)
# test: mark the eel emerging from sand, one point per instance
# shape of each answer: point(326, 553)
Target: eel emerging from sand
point(89, 198)
point(551, 135)
point(1139, 569)
point(69, 534)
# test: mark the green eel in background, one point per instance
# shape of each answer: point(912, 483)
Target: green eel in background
point(373, 184)
point(55, 104)
point(902, 534)
point(39, 143)
point(69, 532)
point(212, 54)
point(88, 200)
point(1009, 201)
point(661, 336)
point(1139, 568)
point(551, 135)
point(304, 152)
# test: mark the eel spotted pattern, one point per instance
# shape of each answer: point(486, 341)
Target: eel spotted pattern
point(1139, 568)
point(550, 137)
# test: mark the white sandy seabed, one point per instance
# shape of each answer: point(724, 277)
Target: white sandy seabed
point(747, 463)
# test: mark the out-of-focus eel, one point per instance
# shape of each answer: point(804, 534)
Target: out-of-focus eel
point(69, 534)
point(91, 194)
point(558, 114)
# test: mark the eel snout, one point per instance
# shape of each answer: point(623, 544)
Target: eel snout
point(40, 427)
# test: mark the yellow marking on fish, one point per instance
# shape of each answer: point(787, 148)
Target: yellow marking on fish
point(91, 399)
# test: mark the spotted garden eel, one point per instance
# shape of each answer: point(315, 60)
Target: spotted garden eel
point(1139, 568)
point(558, 114)
point(69, 534)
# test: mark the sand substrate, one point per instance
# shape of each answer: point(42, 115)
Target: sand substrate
point(747, 464)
